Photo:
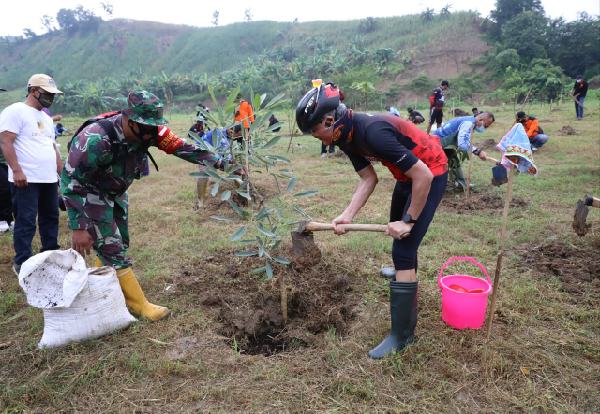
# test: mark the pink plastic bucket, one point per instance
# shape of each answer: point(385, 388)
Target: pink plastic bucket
point(462, 309)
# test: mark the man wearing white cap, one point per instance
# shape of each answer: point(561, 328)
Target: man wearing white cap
point(27, 141)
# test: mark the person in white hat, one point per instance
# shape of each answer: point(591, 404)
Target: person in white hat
point(27, 141)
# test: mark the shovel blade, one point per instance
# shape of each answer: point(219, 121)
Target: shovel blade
point(579, 219)
point(305, 252)
point(499, 175)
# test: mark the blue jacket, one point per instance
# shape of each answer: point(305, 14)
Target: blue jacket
point(457, 132)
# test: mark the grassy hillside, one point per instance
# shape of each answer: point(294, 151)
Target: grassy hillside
point(125, 49)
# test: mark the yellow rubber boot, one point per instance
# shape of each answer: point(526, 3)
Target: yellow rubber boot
point(135, 298)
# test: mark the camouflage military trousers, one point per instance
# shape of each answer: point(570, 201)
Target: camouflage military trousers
point(111, 234)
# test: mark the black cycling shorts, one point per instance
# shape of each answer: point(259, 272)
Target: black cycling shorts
point(436, 116)
point(404, 251)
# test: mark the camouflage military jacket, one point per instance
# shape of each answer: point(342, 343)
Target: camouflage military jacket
point(95, 176)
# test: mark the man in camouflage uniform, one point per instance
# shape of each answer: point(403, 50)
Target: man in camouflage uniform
point(104, 158)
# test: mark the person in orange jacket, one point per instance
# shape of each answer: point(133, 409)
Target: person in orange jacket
point(532, 128)
point(243, 112)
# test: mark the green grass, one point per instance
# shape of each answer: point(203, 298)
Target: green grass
point(545, 347)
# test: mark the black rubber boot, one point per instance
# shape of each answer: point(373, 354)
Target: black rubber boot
point(403, 312)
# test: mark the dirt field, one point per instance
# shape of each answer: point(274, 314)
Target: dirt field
point(227, 347)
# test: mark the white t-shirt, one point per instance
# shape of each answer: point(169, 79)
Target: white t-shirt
point(34, 145)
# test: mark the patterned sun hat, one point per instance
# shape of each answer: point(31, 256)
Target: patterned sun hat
point(145, 108)
point(516, 150)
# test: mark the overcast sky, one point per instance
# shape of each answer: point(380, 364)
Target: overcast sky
point(23, 14)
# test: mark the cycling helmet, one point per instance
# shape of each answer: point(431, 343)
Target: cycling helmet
point(315, 104)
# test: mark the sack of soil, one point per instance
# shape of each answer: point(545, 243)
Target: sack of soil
point(78, 303)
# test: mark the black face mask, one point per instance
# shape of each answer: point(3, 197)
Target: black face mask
point(143, 130)
point(45, 99)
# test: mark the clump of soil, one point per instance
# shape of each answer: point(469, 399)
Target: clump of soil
point(478, 202)
point(487, 144)
point(577, 265)
point(320, 298)
point(567, 130)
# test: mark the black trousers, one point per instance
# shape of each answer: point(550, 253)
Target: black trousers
point(5, 202)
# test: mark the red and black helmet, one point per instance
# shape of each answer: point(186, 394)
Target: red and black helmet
point(315, 104)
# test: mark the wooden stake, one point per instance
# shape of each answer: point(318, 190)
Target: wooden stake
point(471, 155)
point(501, 242)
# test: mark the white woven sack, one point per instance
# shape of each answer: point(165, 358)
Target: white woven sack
point(85, 304)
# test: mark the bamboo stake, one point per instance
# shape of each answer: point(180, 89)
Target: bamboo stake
point(471, 155)
point(501, 242)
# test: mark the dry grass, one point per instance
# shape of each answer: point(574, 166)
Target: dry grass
point(544, 355)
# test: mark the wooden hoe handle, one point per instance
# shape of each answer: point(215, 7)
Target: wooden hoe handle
point(316, 226)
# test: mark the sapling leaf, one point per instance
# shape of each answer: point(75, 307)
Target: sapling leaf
point(225, 195)
point(246, 253)
point(238, 234)
point(240, 211)
point(244, 194)
point(264, 212)
point(220, 218)
point(271, 142)
point(292, 184)
point(265, 231)
point(214, 190)
point(307, 193)
point(268, 270)
point(278, 158)
point(257, 270)
point(299, 210)
point(281, 260)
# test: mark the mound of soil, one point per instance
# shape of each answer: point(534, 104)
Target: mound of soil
point(478, 202)
point(576, 265)
point(567, 130)
point(320, 298)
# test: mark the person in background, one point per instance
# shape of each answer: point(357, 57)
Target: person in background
point(27, 141)
point(456, 136)
point(475, 111)
point(534, 132)
point(244, 112)
point(415, 116)
point(59, 130)
point(198, 127)
point(272, 121)
point(6, 216)
point(436, 105)
point(579, 92)
point(393, 110)
point(220, 140)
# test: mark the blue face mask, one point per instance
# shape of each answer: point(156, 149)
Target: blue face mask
point(480, 128)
